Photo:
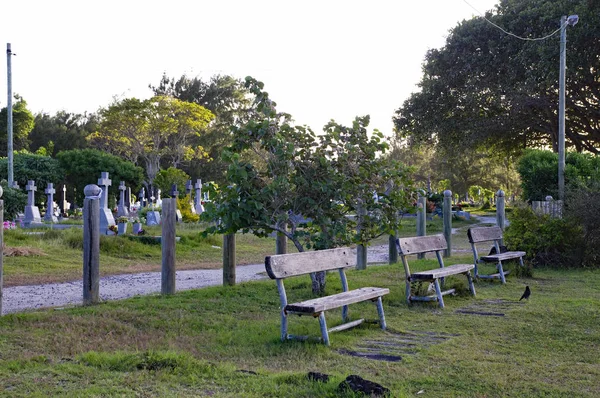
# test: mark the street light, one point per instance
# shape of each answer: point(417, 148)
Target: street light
point(564, 21)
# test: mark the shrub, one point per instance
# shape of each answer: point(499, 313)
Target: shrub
point(186, 210)
point(14, 201)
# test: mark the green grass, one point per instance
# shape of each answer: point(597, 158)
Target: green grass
point(208, 342)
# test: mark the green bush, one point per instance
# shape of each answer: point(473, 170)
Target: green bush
point(548, 241)
point(166, 178)
point(186, 210)
point(14, 201)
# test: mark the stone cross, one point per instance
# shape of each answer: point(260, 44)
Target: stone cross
point(50, 191)
point(64, 199)
point(188, 187)
point(174, 192)
point(104, 182)
point(122, 209)
point(30, 188)
point(198, 199)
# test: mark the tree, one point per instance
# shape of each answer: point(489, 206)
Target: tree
point(23, 123)
point(230, 102)
point(83, 167)
point(307, 185)
point(487, 89)
point(166, 178)
point(63, 131)
point(151, 131)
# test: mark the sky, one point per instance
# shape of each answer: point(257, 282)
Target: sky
point(319, 60)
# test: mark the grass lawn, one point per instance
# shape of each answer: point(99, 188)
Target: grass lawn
point(224, 342)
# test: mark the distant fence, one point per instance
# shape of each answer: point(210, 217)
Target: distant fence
point(552, 207)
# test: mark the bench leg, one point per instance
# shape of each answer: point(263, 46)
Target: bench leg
point(344, 313)
point(284, 326)
point(471, 285)
point(408, 291)
point(380, 313)
point(438, 291)
point(521, 262)
point(476, 270)
point(501, 271)
point(324, 333)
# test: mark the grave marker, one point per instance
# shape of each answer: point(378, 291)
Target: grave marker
point(106, 216)
point(122, 209)
point(198, 199)
point(50, 191)
point(32, 213)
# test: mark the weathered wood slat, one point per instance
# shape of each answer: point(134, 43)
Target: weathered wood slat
point(503, 256)
point(286, 265)
point(421, 244)
point(494, 276)
point(442, 272)
point(321, 304)
point(432, 297)
point(484, 234)
point(345, 326)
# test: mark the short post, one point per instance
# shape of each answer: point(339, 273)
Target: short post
point(91, 244)
point(168, 246)
point(1, 247)
point(447, 211)
point(229, 260)
point(421, 218)
point(281, 241)
point(393, 249)
point(361, 250)
point(500, 210)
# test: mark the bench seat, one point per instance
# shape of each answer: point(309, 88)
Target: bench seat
point(448, 270)
point(494, 258)
point(318, 305)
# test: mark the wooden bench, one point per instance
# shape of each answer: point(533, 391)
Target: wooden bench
point(283, 266)
point(426, 244)
point(478, 235)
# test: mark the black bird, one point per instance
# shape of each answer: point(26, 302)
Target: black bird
point(526, 294)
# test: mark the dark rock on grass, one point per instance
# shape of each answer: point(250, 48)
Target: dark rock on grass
point(367, 387)
point(316, 376)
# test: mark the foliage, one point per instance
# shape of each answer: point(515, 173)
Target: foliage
point(582, 206)
point(15, 201)
point(487, 89)
point(228, 99)
point(150, 131)
point(547, 240)
point(63, 131)
point(308, 181)
point(539, 172)
point(23, 123)
point(184, 205)
point(166, 178)
point(83, 167)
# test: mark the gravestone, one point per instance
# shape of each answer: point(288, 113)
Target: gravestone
point(158, 199)
point(128, 198)
point(198, 199)
point(175, 195)
point(65, 206)
point(106, 216)
point(188, 191)
point(32, 213)
point(152, 216)
point(49, 216)
point(123, 209)
point(142, 197)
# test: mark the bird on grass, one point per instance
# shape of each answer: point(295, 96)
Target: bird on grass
point(526, 293)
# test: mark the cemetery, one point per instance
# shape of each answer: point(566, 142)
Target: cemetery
point(200, 241)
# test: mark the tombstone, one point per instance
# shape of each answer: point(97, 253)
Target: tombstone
point(106, 216)
point(198, 199)
point(122, 210)
point(142, 197)
point(175, 195)
point(32, 213)
point(16, 185)
point(63, 205)
point(158, 198)
point(152, 217)
point(49, 216)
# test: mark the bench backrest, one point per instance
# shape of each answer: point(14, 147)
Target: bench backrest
point(421, 244)
point(484, 234)
point(281, 266)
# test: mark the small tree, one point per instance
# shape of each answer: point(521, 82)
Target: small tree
point(166, 178)
point(308, 184)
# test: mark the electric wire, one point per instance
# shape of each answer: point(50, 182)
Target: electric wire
point(512, 34)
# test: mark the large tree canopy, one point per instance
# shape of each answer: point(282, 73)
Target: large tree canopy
point(22, 124)
point(62, 131)
point(158, 129)
point(485, 87)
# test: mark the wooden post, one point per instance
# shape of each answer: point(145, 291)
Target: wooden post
point(1, 247)
point(447, 211)
point(281, 242)
point(500, 212)
point(392, 250)
point(91, 244)
point(361, 250)
point(168, 246)
point(229, 260)
point(421, 218)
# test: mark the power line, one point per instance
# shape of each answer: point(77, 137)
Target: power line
point(512, 34)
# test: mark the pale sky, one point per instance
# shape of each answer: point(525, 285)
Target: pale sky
point(319, 60)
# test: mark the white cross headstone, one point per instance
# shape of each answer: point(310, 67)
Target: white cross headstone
point(106, 216)
point(32, 213)
point(198, 200)
point(122, 209)
point(50, 191)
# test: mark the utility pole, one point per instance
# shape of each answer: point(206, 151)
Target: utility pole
point(561, 108)
point(9, 122)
